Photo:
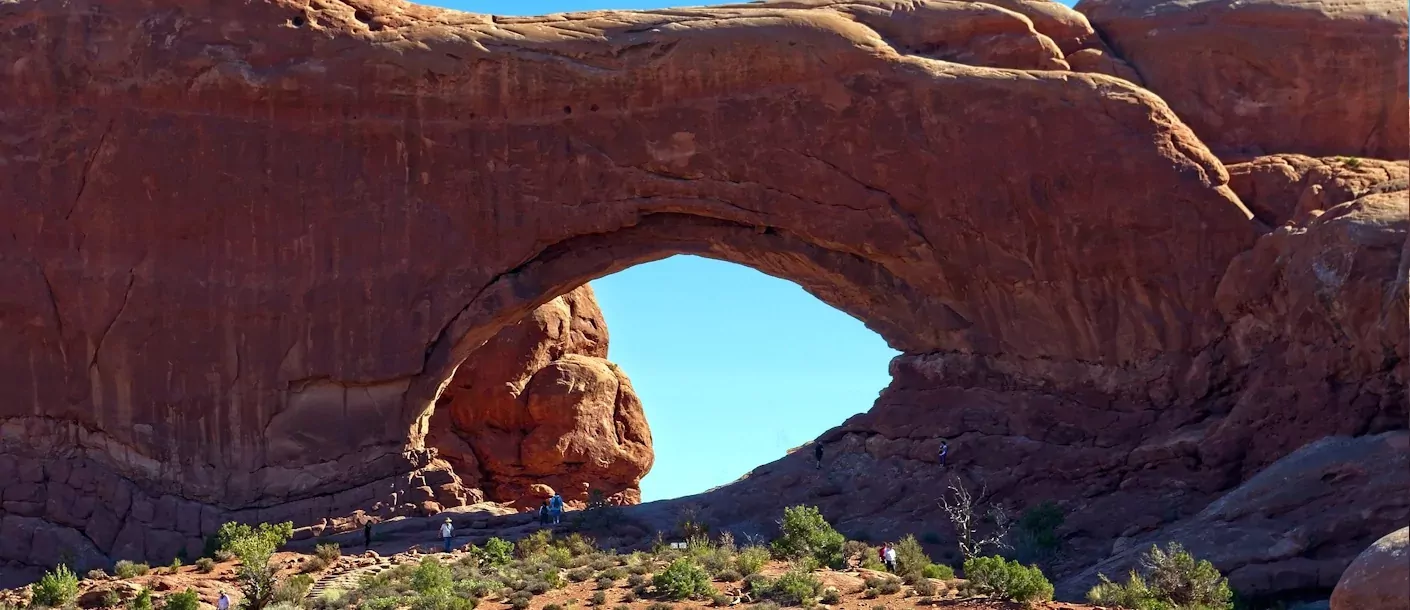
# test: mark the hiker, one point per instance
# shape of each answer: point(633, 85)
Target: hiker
point(555, 507)
point(543, 513)
point(223, 603)
point(817, 454)
point(890, 558)
point(366, 534)
point(944, 451)
point(881, 552)
point(446, 531)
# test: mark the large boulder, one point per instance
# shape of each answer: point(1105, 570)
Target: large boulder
point(1379, 579)
point(540, 404)
point(1283, 188)
point(1318, 77)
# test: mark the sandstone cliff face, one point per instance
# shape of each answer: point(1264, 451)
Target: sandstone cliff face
point(1314, 77)
point(250, 244)
point(540, 404)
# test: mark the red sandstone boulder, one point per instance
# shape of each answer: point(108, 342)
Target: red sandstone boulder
point(538, 403)
point(1318, 77)
point(1379, 579)
point(1280, 188)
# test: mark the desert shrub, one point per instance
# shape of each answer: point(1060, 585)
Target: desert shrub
point(579, 574)
point(1036, 532)
point(1009, 580)
point(205, 565)
point(520, 601)
point(629, 596)
point(856, 549)
point(553, 607)
point(636, 580)
point(534, 544)
point(125, 569)
point(795, 587)
point(293, 590)
point(175, 565)
point(638, 568)
point(681, 580)
point(430, 575)
point(720, 600)
point(111, 599)
point(728, 575)
point(751, 559)
point(496, 552)
point(926, 587)
point(95, 574)
point(871, 562)
point(660, 606)
point(143, 600)
point(558, 556)
point(939, 571)
point(602, 562)
point(604, 582)
point(758, 584)
point(889, 586)
point(58, 588)
point(766, 606)
point(615, 574)
point(599, 598)
point(871, 593)
point(185, 600)
point(831, 596)
point(1172, 580)
point(538, 586)
point(441, 599)
point(329, 552)
point(911, 559)
point(807, 534)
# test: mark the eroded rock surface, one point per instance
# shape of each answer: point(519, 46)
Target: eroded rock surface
point(540, 404)
point(1379, 579)
point(249, 243)
point(1317, 77)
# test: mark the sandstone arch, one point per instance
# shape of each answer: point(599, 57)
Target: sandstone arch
point(233, 224)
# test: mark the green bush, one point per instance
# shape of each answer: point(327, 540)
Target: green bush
point(720, 600)
point(534, 544)
point(1008, 579)
point(926, 587)
point(795, 587)
point(56, 589)
point(604, 582)
point(636, 580)
point(751, 559)
point(293, 590)
point(95, 574)
point(441, 599)
point(430, 575)
point(185, 600)
point(831, 596)
point(143, 601)
point(728, 575)
point(807, 534)
point(579, 574)
point(890, 586)
point(911, 560)
point(681, 580)
point(125, 569)
point(1172, 580)
point(858, 550)
point(497, 552)
point(1036, 531)
point(175, 565)
point(205, 565)
point(111, 599)
point(661, 606)
point(939, 571)
point(329, 552)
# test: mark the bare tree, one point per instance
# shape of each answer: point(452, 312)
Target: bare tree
point(967, 511)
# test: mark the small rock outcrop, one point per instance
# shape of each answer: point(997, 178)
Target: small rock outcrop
point(539, 404)
point(1379, 579)
point(1314, 77)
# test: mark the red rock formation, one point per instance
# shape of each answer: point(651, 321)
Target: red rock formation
point(1314, 77)
point(1380, 577)
point(539, 403)
point(249, 244)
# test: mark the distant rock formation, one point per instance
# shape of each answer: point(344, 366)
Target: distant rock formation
point(540, 404)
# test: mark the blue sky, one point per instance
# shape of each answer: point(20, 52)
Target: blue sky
point(733, 367)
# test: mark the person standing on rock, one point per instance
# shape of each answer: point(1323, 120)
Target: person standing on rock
point(543, 513)
point(447, 531)
point(944, 451)
point(366, 533)
point(555, 507)
point(817, 454)
point(890, 556)
point(223, 603)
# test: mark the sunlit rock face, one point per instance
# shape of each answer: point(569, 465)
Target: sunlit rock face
point(250, 243)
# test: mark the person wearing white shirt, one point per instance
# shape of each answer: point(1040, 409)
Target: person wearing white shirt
point(446, 532)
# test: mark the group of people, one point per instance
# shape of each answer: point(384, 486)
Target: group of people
point(550, 513)
point(887, 553)
point(944, 453)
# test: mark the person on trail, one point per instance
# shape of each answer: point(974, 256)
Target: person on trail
point(817, 454)
point(367, 534)
point(543, 513)
point(555, 507)
point(881, 552)
point(223, 603)
point(890, 558)
point(446, 532)
point(944, 451)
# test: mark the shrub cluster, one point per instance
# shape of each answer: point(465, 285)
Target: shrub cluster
point(1008, 579)
point(805, 533)
point(683, 579)
point(56, 589)
point(1172, 580)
